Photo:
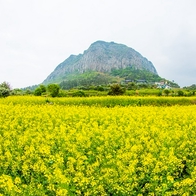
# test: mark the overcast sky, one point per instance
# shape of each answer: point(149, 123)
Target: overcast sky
point(37, 35)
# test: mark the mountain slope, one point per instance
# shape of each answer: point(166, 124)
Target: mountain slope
point(100, 57)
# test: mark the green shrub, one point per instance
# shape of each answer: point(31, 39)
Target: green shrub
point(100, 88)
point(62, 93)
point(40, 90)
point(116, 89)
point(78, 94)
point(166, 92)
point(180, 93)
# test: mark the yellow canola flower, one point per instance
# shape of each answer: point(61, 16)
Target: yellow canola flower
point(88, 150)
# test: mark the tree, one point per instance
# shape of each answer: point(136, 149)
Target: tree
point(5, 85)
point(166, 91)
point(43, 88)
point(5, 89)
point(27, 92)
point(53, 89)
point(4, 92)
point(17, 91)
point(116, 89)
point(39, 90)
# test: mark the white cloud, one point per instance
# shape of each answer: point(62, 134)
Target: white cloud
point(37, 35)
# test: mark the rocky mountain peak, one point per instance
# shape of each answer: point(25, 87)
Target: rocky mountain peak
point(101, 56)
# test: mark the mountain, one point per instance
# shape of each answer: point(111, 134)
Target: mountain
point(103, 60)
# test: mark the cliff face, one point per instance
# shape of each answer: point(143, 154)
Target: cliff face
point(101, 57)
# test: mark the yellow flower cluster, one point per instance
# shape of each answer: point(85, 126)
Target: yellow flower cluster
point(50, 149)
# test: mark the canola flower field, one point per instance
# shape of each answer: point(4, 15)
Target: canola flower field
point(48, 148)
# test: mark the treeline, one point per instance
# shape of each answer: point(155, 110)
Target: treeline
point(41, 90)
point(192, 87)
point(130, 89)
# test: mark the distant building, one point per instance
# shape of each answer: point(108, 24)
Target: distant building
point(141, 81)
point(163, 85)
point(126, 81)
